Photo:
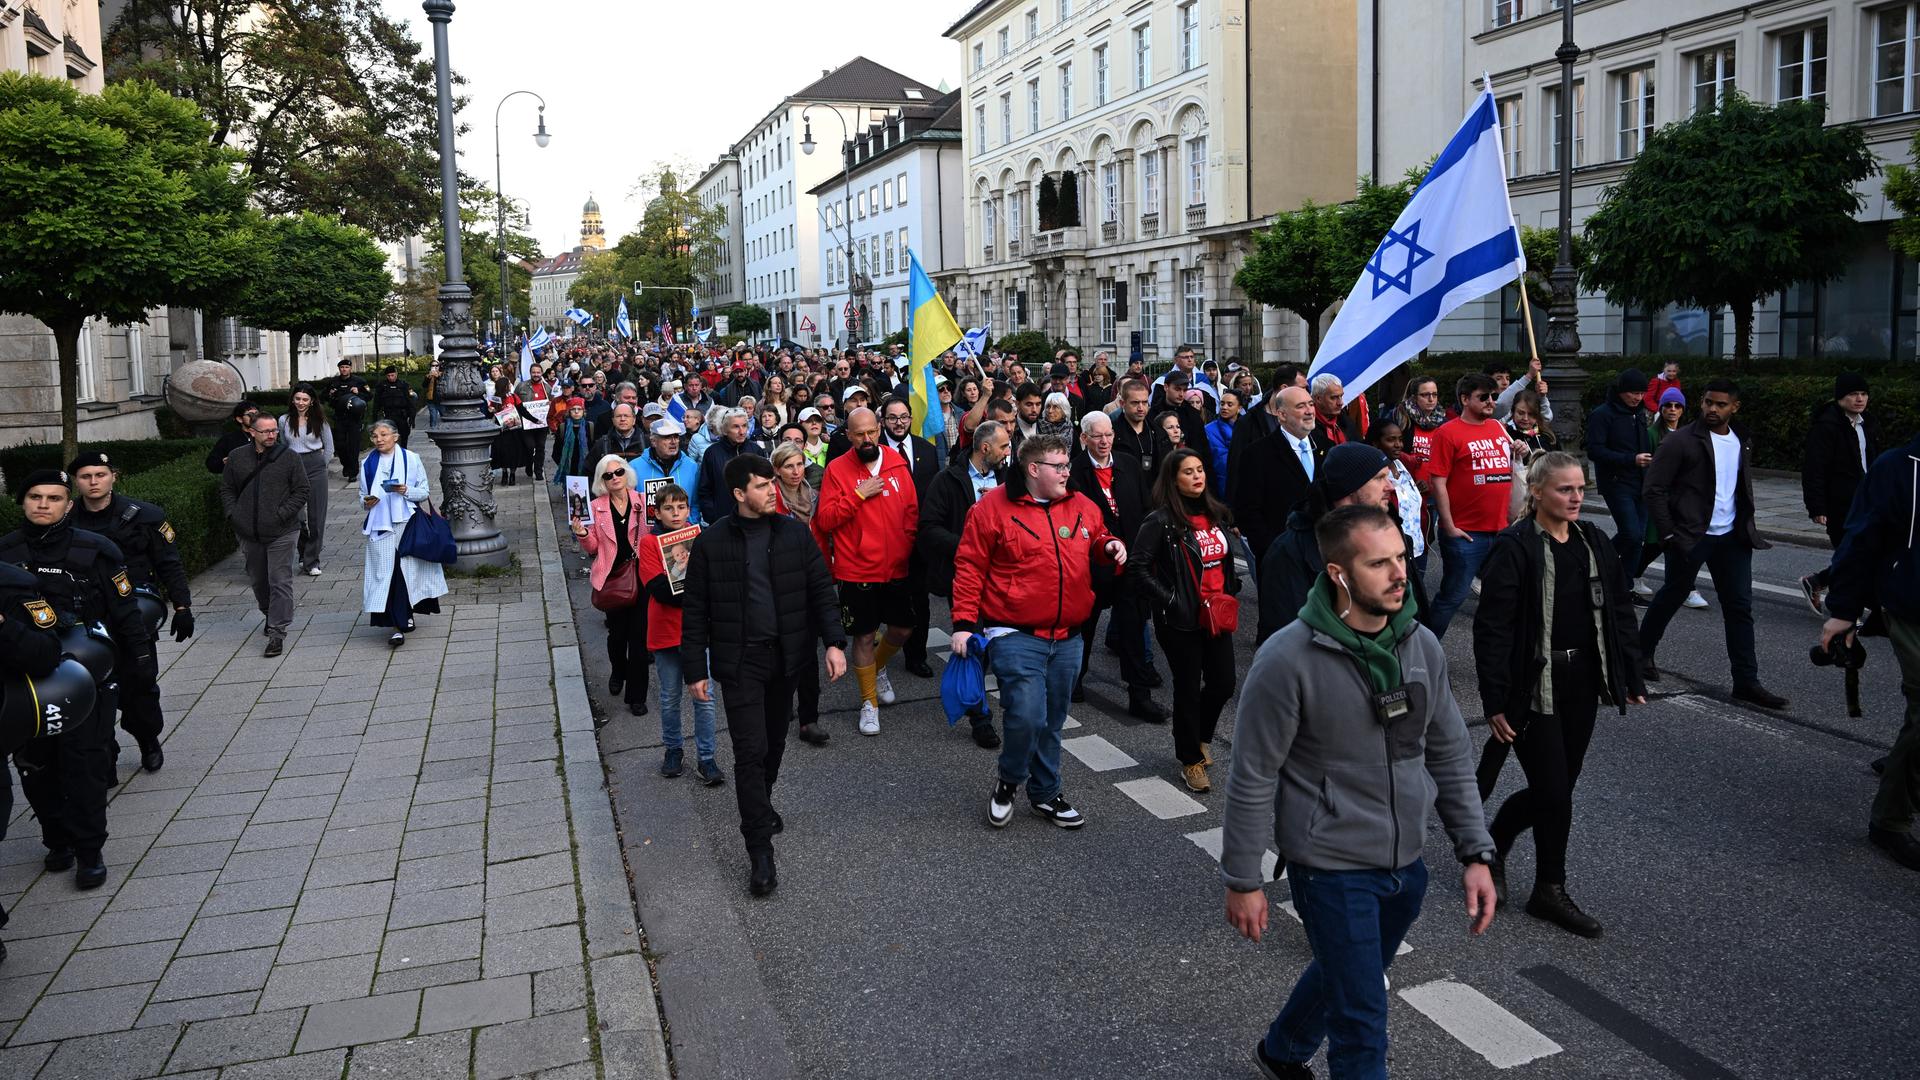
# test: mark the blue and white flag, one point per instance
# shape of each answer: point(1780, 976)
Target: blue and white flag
point(1453, 243)
point(526, 361)
point(703, 336)
point(580, 318)
point(541, 339)
point(620, 322)
point(973, 344)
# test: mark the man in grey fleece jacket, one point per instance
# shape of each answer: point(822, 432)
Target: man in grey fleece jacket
point(1347, 732)
point(263, 489)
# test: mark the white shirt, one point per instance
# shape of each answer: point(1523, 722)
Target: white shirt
point(1726, 480)
point(1858, 420)
point(1406, 494)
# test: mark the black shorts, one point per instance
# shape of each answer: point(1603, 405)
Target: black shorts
point(864, 606)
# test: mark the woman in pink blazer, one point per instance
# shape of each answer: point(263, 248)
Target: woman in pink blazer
point(619, 521)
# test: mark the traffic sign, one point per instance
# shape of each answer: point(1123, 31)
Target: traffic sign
point(806, 324)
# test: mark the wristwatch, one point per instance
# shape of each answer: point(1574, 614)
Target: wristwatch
point(1484, 858)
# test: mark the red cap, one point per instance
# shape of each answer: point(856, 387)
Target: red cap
point(576, 403)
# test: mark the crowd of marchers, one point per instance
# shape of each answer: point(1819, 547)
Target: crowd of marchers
point(760, 521)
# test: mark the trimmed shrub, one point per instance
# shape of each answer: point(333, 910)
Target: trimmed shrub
point(129, 456)
point(190, 494)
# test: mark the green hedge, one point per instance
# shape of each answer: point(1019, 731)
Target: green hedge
point(191, 496)
point(129, 456)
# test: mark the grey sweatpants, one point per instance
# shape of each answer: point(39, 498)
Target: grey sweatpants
point(270, 569)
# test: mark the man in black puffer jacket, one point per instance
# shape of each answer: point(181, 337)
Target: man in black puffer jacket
point(757, 596)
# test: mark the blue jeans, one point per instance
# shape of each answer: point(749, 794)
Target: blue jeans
point(671, 689)
point(433, 413)
point(1355, 921)
point(1730, 561)
point(1035, 677)
point(1628, 505)
point(1459, 564)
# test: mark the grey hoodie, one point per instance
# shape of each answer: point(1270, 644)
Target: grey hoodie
point(1315, 774)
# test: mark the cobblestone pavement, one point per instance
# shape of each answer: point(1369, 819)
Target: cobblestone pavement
point(358, 861)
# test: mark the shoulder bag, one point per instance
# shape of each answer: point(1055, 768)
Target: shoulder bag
point(1215, 615)
point(428, 537)
point(622, 587)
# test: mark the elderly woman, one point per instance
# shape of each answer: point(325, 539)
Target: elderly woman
point(395, 587)
point(1056, 417)
point(619, 524)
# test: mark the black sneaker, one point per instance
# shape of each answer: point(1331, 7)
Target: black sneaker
point(1275, 1069)
point(275, 646)
point(673, 764)
point(813, 735)
point(1900, 846)
point(983, 734)
point(58, 859)
point(1552, 904)
point(1000, 806)
point(709, 773)
point(1061, 812)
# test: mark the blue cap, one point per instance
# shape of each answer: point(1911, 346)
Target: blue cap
point(963, 685)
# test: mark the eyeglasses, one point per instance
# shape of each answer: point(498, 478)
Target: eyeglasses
point(1062, 467)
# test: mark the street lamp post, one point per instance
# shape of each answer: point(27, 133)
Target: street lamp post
point(693, 298)
point(846, 208)
point(465, 434)
point(1566, 379)
point(541, 138)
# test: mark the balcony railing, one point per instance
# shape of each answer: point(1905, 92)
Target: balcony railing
point(1196, 216)
point(1109, 231)
point(1149, 225)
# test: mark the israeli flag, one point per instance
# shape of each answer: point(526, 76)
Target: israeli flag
point(541, 339)
point(621, 323)
point(1454, 242)
point(973, 344)
point(704, 336)
point(579, 317)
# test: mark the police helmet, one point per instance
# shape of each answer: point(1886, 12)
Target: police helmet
point(33, 708)
point(152, 608)
point(90, 644)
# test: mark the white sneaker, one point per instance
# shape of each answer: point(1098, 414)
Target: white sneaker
point(1641, 588)
point(869, 718)
point(1695, 600)
point(313, 571)
point(883, 687)
point(1000, 805)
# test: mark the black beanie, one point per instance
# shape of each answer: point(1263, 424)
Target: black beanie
point(39, 477)
point(1848, 382)
point(1630, 381)
point(1346, 469)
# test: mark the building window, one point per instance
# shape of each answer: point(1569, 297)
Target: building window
point(886, 194)
point(1142, 56)
point(1033, 105)
point(1146, 302)
point(986, 221)
point(886, 317)
point(1102, 78)
point(1197, 171)
point(1550, 138)
point(1066, 91)
point(888, 237)
point(1064, 10)
point(986, 307)
point(1106, 311)
point(1635, 117)
point(1193, 306)
point(903, 249)
point(1013, 311)
point(1511, 132)
point(1110, 192)
point(1006, 40)
point(1033, 24)
point(1712, 77)
point(860, 204)
point(900, 189)
point(1006, 118)
point(1149, 181)
point(979, 55)
point(1801, 70)
point(1671, 331)
point(1015, 212)
point(1893, 59)
point(979, 129)
point(1189, 36)
point(1507, 12)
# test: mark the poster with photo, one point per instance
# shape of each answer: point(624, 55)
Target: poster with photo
point(676, 549)
point(580, 500)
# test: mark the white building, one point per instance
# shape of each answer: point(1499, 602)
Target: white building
point(780, 225)
point(1112, 185)
point(902, 190)
point(722, 271)
point(1643, 65)
point(547, 301)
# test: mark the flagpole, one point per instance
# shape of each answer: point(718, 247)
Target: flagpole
point(1526, 316)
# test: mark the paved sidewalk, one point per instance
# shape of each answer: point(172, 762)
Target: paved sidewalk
point(358, 862)
point(1776, 502)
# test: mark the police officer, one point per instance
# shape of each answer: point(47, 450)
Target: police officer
point(29, 652)
point(84, 577)
point(348, 396)
point(394, 401)
point(141, 531)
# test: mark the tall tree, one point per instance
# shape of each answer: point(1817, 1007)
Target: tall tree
point(331, 101)
point(1730, 205)
point(113, 204)
point(599, 287)
point(479, 250)
point(313, 276)
point(1903, 193)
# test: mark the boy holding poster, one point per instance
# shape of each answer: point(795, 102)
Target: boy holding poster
point(663, 573)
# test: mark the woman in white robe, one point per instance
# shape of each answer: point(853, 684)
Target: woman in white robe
point(393, 482)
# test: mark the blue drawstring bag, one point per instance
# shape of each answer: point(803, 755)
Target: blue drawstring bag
point(963, 685)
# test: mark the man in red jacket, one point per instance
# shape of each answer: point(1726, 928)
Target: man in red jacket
point(866, 519)
point(1023, 581)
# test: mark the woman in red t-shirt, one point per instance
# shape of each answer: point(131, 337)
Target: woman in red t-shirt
point(662, 568)
point(1182, 563)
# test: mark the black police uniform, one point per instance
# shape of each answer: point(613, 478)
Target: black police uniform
point(28, 647)
point(394, 403)
point(84, 577)
point(347, 418)
point(140, 531)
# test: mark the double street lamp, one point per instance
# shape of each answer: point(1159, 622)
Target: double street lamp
point(846, 209)
point(540, 138)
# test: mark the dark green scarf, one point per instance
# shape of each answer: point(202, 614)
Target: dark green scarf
point(1375, 652)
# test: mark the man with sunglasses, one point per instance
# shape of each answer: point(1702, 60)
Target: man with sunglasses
point(1471, 468)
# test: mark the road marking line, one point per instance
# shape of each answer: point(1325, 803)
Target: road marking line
point(1097, 753)
point(937, 638)
point(1160, 798)
point(1480, 1023)
point(1761, 586)
point(1070, 724)
point(1719, 711)
point(1209, 841)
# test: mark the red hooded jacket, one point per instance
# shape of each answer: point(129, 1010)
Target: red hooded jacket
point(1026, 564)
point(867, 540)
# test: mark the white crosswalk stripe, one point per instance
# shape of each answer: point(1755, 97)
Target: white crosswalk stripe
point(1097, 753)
point(1160, 798)
point(1480, 1023)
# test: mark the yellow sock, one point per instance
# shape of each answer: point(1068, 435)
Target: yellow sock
point(884, 652)
point(865, 674)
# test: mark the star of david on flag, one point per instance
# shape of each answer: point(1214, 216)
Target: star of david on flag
point(541, 337)
point(1455, 242)
point(621, 324)
point(580, 317)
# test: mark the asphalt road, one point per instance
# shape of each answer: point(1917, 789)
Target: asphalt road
point(1751, 931)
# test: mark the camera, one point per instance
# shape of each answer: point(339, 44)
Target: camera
point(1846, 653)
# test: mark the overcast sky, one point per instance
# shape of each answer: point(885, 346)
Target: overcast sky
point(631, 84)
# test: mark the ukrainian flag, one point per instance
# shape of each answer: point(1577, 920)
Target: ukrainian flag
point(930, 332)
